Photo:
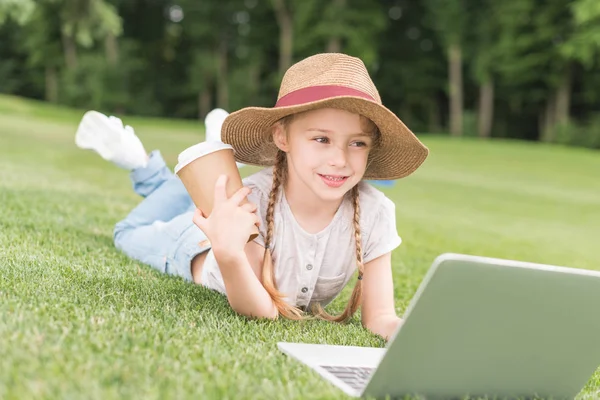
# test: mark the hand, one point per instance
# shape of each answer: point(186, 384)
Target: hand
point(230, 224)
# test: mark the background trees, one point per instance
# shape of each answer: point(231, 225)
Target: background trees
point(525, 69)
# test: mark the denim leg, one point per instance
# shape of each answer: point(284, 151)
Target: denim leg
point(146, 180)
point(159, 231)
point(164, 194)
point(168, 246)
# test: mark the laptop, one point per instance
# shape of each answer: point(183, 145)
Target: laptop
point(478, 327)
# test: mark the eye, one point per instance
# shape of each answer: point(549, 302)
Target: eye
point(321, 139)
point(359, 144)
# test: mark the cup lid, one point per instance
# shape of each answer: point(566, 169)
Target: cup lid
point(199, 150)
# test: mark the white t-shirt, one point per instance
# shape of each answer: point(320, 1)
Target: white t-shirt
point(312, 268)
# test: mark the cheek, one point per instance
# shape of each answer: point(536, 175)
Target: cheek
point(304, 157)
point(309, 154)
point(359, 159)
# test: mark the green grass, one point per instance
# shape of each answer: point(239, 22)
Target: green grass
point(81, 320)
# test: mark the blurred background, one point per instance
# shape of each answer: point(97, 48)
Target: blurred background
point(527, 69)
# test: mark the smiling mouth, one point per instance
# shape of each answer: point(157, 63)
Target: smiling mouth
point(334, 177)
point(334, 180)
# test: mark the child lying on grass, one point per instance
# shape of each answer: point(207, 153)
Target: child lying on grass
point(319, 221)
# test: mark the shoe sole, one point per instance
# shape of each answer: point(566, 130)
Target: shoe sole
point(94, 132)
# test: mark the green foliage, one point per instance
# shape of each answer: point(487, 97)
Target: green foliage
point(412, 66)
point(355, 23)
point(584, 43)
point(481, 42)
point(42, 37)
point(585, 133)
point(469, 124)
point(18, 10)
point(96, 85)
point(449, 19)
point(88, 20)
point(528, 51)
point(181, 58)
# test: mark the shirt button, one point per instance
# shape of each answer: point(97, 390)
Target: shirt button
point(304, 289)
point(309, 267)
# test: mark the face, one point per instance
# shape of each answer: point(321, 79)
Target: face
point(327, 151)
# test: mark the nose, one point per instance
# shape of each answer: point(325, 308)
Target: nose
point(338, 157)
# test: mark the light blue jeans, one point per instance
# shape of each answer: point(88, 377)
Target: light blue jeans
point(159, 231)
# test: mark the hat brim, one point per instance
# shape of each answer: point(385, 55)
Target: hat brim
point(398, 154)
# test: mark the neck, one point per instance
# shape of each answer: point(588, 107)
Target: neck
point(311, 212)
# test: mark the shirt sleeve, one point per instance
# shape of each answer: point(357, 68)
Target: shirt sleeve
point(383, 237)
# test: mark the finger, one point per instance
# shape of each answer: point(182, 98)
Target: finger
point(220, 190)
point(250, 207)
point(199, 219)
point(256, 220)
point(240, 195)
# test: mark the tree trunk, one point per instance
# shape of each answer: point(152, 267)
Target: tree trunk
point(486, 109)
point(254, 83)
point(563, 97)
point(111, 46)
point(70, 51)
point(51, 85)
point(334, 44)
point(204, 102)
point(456, 89)
point(405, 112)
point(222, 74)
point(557, 111)
point(434, 120)
point(548, 120)
point(286, 34)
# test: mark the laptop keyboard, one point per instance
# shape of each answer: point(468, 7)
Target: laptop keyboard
point(355, 377)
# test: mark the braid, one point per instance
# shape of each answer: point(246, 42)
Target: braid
point(278, 176)
point(357, 233)
point(268, 270)
point(356, 297)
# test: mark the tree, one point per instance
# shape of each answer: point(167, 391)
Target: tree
point(13, 15)
point(85, 21)
point(211, 30)
point(529, 62)
point(584, 44)
point(284, 15)
point(483, 38)
point(337, 9)
point(448, 17)
point(18, 10)
point(412, 74)
point(349, 26)
point(42, 46)
point(529, 67)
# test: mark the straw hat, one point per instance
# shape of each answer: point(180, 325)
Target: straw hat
point(327, 80)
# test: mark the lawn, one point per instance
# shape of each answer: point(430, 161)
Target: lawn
point(80, 320)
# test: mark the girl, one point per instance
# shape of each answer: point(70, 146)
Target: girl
point(318, 221)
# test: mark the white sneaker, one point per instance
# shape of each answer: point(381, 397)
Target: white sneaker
point(213, 123)
point(114, 142)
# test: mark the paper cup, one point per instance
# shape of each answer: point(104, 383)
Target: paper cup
point(200, 166)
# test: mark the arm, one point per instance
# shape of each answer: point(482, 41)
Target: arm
point(228, 227)
point(241, 273)
point(378, 312)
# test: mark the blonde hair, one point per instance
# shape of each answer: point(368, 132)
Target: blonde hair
point(268, 270)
